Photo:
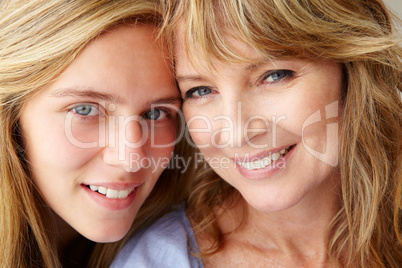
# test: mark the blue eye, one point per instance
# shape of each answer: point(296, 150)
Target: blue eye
point(86, 110)
point(155, 114)
point(277, 75)
point(198, 92)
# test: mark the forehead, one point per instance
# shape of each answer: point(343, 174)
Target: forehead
point(129, 51)
point(126, 62)
point(117, 38)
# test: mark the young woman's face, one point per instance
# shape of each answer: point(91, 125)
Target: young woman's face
point(98, 138)
point(268, 128)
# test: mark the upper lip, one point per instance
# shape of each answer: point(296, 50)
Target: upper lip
point(258, 156)
point(116, 186)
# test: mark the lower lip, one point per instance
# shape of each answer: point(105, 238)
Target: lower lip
point(267, 172)
point(113, 204)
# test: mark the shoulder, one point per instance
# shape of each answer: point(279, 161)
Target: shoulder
point(169, 242)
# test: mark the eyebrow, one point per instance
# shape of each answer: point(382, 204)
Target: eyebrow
point(86, 93)
point(181, 78)
point(254, 66)
point(169, 100)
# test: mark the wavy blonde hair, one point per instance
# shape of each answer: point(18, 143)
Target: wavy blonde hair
point(357, 34)
point(38, 40)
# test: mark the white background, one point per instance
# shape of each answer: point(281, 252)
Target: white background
point(396, 7)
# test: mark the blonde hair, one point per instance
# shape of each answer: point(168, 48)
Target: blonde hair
point(38, 40)
point(357, 34)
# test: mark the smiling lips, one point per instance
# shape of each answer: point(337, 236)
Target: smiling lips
point(266, 161)
point(111, 193)
point(258, 164)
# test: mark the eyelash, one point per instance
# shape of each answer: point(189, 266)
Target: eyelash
point(92, 107)
point(163, 112)
point(167, 114)
point(286, 74)
point(190, 93)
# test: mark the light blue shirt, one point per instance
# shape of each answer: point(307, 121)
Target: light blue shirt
point(169, 242)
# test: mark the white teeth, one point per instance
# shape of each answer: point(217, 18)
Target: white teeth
point(267, 161)
point(264, 162)
point(257, 164)
point(94, 188)
point(110, 193)
point(102, 190)
point(275, 156)
point(123, 194)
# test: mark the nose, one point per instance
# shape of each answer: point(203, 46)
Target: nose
point(255, 126)
point(126, 144)
point(244, 124)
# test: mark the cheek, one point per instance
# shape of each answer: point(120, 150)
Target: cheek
point(158, 158)
point(160, 145)
point(200, 126)
point(315, 122)
point(201, 138)
point(85, 134)
point(162, 137)
point(307, 112)
point(160, 152)
point(51, 151)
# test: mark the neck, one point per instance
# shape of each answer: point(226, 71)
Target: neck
point(302, 229)
point(73, 248)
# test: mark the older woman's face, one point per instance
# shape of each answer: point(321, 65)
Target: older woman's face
point(97, 138)
point(268, 128)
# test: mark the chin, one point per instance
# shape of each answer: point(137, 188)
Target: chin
point(107, 234)
point(107, 238)
point(276, 203)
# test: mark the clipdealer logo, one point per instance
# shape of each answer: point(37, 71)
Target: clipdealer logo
point(113, 132)
point(330, 154)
